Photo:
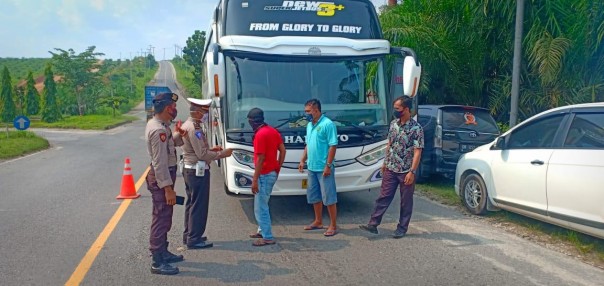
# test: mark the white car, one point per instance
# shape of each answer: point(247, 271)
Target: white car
point(550, 167)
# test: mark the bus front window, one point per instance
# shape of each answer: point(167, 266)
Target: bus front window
point(351, 91)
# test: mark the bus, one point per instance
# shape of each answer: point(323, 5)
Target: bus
point(276, 55)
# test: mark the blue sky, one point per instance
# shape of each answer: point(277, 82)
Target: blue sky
point(118, 28)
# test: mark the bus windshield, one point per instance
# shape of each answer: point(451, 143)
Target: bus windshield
point(351, 91)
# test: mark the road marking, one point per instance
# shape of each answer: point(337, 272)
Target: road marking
point(80, 272)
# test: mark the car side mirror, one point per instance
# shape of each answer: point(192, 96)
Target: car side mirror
point(499, 144)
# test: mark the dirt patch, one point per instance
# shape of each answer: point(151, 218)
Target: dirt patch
point(544, 239)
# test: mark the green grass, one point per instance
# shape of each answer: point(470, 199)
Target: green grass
point(442, 190)
point(439, 189)
point(87, 122)
point(20, 143)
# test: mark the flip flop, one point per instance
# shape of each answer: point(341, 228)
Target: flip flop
point(255, 235)
point(263, 242)
point(330, 232)
point(313, 227)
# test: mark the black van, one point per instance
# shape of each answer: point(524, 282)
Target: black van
point(449, 131)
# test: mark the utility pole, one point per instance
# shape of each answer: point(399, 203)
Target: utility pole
point(516, 62)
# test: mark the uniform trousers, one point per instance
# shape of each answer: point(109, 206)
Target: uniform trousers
point(392, 181)
point(162, 213)
point(196, 206)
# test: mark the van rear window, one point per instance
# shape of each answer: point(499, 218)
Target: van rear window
point(469, 119)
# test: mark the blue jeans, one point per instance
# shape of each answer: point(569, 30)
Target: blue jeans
point(261, 211)
point(321, 188)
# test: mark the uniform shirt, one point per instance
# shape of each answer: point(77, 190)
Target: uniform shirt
point(266, 141)
point(195, 145)
point(319, 137)
point(403, 139)
point(160, 147)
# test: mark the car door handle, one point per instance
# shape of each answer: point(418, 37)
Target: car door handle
point(536, 162)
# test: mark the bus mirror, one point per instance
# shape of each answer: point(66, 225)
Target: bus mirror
point(411, 76)
point(216, 75)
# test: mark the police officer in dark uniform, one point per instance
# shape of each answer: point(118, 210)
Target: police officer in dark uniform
point(160, 181)
point(197, 157)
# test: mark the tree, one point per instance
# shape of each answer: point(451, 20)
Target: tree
point(192, 54)
point(19, 95)
point(80, 71)
point(50, 109)
point(7, 113)
point(113, 101)
point(32, 97)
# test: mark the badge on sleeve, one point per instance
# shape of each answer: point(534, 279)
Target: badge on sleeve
point(162, 137)
point(198, 134)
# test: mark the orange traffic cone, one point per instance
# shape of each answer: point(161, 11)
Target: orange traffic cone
point(128, 190)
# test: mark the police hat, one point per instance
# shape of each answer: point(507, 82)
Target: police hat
point(200, 102)
point(161, 100)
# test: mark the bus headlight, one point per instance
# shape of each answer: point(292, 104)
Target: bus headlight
point(244, 157)
point(372, 156)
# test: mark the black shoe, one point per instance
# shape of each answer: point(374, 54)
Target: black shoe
point(163, 269)
point(369, 228)
point(170, 257)
point(398, 234)
point(203, 238)
point(199, 245)
point(159, 266)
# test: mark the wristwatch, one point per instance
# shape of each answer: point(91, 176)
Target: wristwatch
point(412, 172)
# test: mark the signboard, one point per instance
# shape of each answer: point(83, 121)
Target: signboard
point(21, 122)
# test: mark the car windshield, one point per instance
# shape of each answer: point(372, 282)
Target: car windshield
point(470, 119)
point(351, 91)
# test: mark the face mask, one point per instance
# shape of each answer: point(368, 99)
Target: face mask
point(173, 113)
point(308, 117)
point(254, 124)
point(397, 114)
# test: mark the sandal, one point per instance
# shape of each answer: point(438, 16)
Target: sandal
point(255, 235)
point(313, 227)
point(263, 242)
point(330, 232)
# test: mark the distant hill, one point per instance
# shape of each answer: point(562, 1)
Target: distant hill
point(20, 67)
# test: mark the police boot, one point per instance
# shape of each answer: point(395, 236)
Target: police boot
point(170, 257)
point(159, 266)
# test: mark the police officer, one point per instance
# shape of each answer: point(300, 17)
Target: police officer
point(197, 159)
point(160, 181)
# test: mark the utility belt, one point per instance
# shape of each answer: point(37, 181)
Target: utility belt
point(200, 168)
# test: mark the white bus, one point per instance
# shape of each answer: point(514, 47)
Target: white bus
point(276, 55)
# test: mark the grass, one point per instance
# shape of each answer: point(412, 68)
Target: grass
point(87, 122)
point(442, 190)
point(20, 143)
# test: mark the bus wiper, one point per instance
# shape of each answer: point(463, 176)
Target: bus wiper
point(288, 120)
point(365, 130)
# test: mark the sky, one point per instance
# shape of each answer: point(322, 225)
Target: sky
point(117, 28)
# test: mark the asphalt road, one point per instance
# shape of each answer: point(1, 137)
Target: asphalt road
point(56, 203)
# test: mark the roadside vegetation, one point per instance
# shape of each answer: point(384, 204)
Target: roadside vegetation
point(88, 122)
point(569, 242)
point(20, 143)
point(189, 67)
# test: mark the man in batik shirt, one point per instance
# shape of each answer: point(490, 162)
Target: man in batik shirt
point(403, 154)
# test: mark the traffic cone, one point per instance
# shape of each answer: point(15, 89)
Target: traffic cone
point(128, 190)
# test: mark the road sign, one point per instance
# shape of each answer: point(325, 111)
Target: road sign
point(21, 122)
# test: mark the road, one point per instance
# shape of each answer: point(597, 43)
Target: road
point(56, 203)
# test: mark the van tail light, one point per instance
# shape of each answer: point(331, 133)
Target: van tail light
point(438, 137)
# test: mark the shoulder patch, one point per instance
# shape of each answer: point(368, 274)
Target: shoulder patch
point(198, 134)
point(162, 137)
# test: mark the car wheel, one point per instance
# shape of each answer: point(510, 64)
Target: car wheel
point(474, 194)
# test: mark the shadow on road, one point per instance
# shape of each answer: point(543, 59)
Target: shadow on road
point(244, 271)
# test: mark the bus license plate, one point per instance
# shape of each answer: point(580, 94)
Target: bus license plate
point(304, 183)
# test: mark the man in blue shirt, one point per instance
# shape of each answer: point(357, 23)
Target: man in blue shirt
point(320, 151)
